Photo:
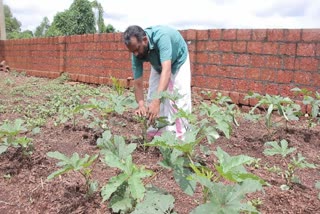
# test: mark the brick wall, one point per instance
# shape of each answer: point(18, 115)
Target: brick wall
point(233, 61)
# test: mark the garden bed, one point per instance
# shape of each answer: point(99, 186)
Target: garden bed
point(23, 178)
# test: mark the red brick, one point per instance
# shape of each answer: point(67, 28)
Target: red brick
point(254, 47)
point(229, 34)
point(309, 35)
point(275, 35)
point(268, 75)
point(273, 62)
point(212, 46)
point(270, 48)
point(199, 81)
point(257, 61)
point(318, 49)
point(306, 49)
point(307, 64)
point(192, 46)
point(237, 72)
point(255, 86)
point(215, 34)
point(202, 45)
point(214, 58)
point(211, 70)
point(199, 69)
point(228, 59)
point(244, 34)
point(316, 79)
point(202, 58)
point(239, 47)
point(259, 34)
point(271, 89)
point(242, 99)
point(110, 37)
point(253, 73)
point(225, 46)
point(183, 33)
point(288, 49)
point(213, 82)
point(202, 35)
point(118, 37)
point(226, 84)
point(285, 90)
point(87, 38)
point(243, 59)
point(191, 35)
point(285, 76)
point(289, 63)
point(292, 35)
point(302, 78)
point(234, 96)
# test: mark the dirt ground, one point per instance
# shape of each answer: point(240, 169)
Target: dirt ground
point(24, 188)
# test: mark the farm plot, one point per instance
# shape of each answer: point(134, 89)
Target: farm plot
point(76, 148)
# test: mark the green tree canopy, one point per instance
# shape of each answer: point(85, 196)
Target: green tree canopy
point(13, 26)
point(42, 28)
point(78, 19)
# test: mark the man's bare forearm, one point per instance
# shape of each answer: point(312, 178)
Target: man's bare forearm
point(138, 91)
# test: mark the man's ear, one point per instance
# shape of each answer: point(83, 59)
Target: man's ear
point(145, 39)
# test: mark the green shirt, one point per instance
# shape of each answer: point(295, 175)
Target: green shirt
point(165, 43)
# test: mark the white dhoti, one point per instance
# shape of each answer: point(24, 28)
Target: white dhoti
point(180, 82)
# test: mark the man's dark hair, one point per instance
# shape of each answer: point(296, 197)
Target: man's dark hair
point(133, 30)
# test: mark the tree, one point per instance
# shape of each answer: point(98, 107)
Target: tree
point(13, 26)
point(100, 22)
point(110, 29)
point(78, 19)
point(42, 28)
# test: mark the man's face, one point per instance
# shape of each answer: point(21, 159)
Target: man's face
point(139, 49)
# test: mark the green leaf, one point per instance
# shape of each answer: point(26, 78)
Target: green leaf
point(3, 149)
point(93, 187)
point(59, 156)
point(231, 167)
point(112, 185)
point(181, 177)
point(59, 172)
point(275, 149)
point(155, 202)
point(230, 198)
point(136, 186)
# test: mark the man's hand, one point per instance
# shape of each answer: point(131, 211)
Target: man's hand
point(141, 111)
point(153, 110)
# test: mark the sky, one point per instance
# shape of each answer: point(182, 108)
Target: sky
point(183, 14)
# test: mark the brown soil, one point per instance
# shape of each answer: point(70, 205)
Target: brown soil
point(24, 188)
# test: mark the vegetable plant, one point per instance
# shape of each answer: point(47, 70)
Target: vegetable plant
point(10, 137)
point(312, 100)
point(287, 109)
point(77, 164)
point(126, 189)
point(299, 162)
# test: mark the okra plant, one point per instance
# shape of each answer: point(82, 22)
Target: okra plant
point(77, 164)
point(314, 101)
point(286, 108)
point(299, 162)
point(10, 136)
point(126, 189)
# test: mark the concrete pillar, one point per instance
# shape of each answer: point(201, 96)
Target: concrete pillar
point(3, 35)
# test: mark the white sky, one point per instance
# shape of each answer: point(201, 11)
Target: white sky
point(183, 14)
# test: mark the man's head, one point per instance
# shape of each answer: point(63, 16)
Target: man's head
point(136, 40)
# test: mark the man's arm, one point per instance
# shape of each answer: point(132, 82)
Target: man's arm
point(138, 92)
